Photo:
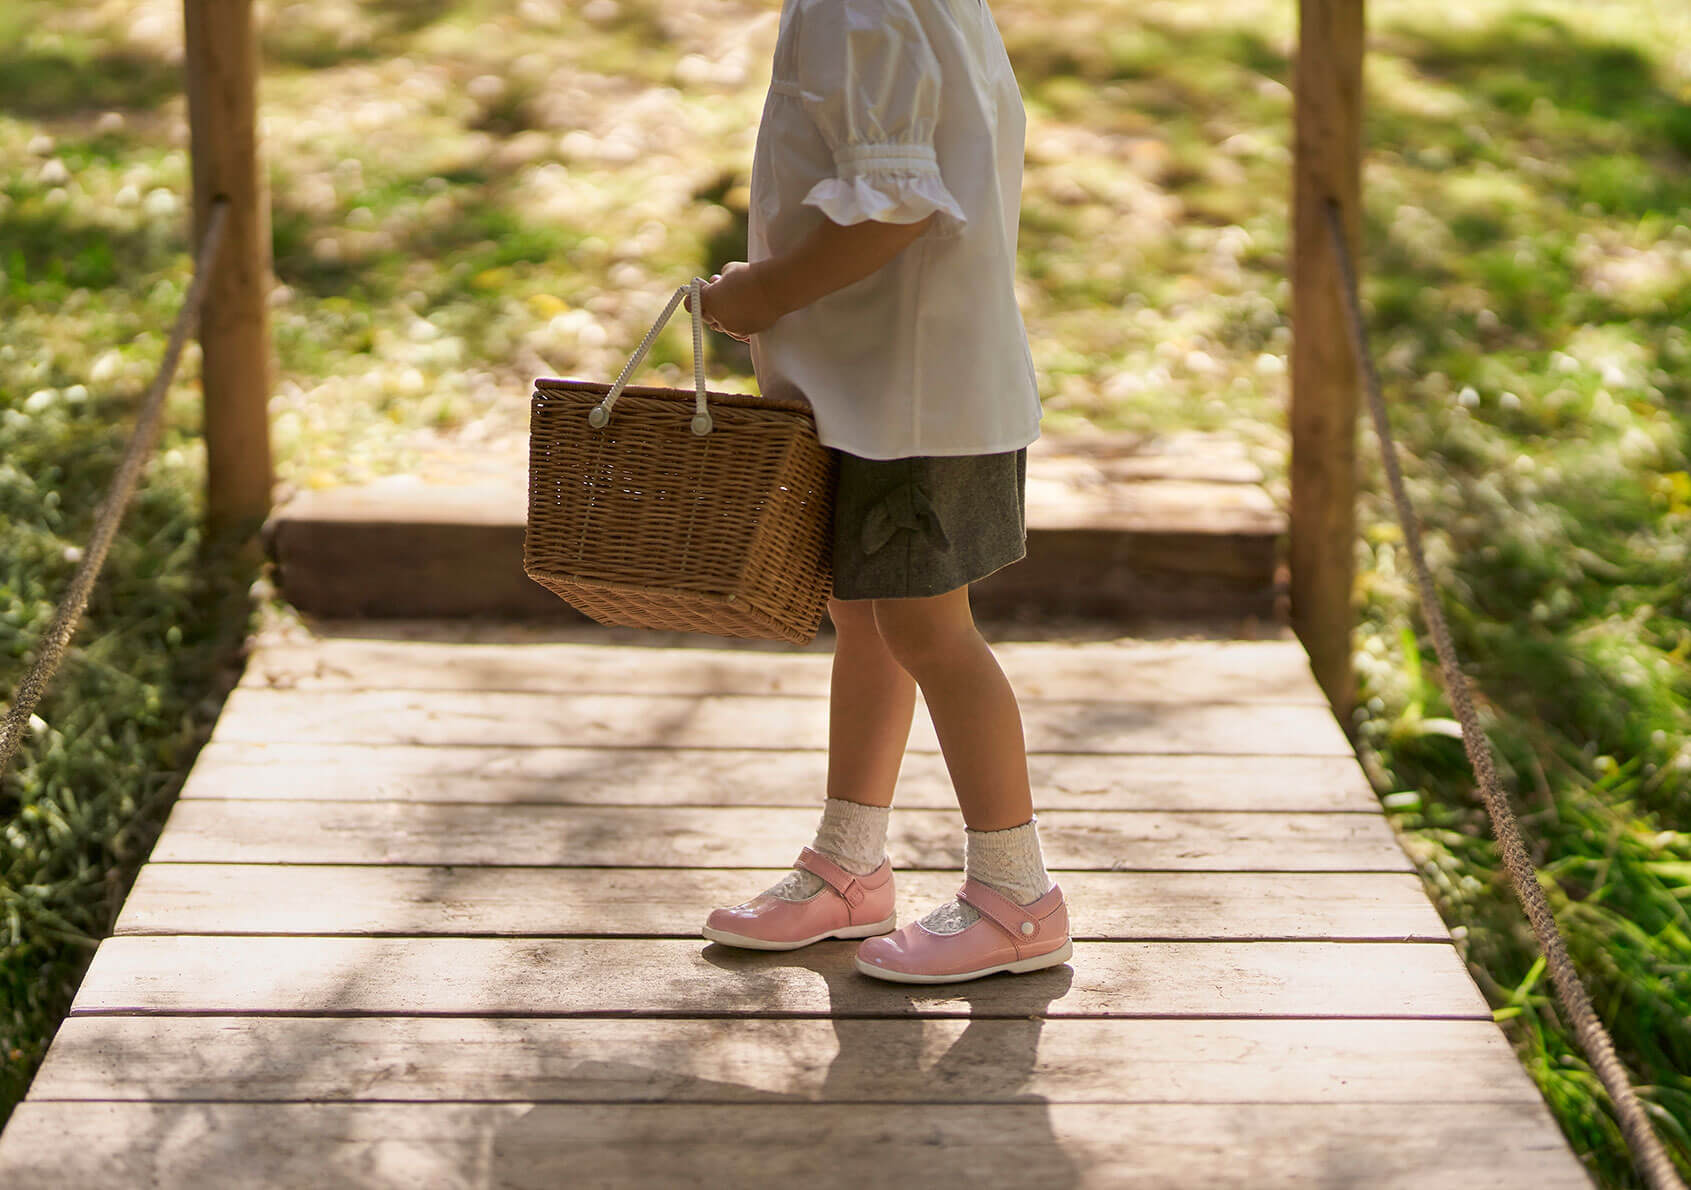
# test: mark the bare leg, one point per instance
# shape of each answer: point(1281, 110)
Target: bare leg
point(970, 700)
point(871, 704)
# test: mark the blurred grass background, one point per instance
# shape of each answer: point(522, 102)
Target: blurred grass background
point(467, 193)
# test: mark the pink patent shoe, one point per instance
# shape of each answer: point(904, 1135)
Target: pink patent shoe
point(1008, 937)
point(847, 907)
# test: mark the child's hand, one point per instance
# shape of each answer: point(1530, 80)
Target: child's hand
point(736, 303)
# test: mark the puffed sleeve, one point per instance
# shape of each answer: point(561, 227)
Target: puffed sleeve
point(871, 84)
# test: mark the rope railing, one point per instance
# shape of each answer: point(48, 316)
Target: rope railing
point(1648, 1153)
point(68, 616)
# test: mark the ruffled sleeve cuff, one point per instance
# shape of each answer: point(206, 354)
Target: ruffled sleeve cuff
point(889, 184)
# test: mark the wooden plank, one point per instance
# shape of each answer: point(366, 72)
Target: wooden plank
point(1171, 671)
point(760, 777)
point(1060, 495)
point(647, 977)
point(425, 1059)
point(1107, 574)
point(208, 831)
point(224, 898)
point(1194, 507)
point(440, 556)
point(749, 721)
point(1095, 457)
point(1156, 547)
point(1031, 1146)
point(441, 562)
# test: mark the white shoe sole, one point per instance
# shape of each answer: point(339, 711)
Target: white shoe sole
point(872, 930)
point(1038, 963)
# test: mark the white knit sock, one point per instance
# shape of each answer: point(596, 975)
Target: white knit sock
point(1007, 861)
point(852, 835)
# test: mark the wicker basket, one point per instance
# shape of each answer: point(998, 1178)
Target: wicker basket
point(719, 522)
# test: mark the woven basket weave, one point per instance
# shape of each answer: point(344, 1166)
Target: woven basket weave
point(645, 521)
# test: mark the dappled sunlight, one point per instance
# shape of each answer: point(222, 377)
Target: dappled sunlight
point(466, 194)
point(1153, 237)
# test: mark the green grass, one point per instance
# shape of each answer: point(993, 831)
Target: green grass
point(132, 703)
point(466, 193)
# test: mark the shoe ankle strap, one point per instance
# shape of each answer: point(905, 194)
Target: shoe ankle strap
point(835, 877)
point(1018, 921)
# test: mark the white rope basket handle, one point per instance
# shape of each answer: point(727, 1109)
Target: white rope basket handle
point(600, 415)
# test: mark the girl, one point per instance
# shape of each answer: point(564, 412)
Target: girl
point(885, 194)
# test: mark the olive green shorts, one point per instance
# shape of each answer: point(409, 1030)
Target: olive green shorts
point(921, 526)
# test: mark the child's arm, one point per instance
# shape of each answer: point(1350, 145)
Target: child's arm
point(750, 297)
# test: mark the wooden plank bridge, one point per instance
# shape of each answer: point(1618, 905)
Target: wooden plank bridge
point(427, 912)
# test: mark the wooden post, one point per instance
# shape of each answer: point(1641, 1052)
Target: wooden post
point(1327, 164)
point(222, 79)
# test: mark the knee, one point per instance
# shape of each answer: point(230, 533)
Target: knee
point(852, 617)
point(922, 639)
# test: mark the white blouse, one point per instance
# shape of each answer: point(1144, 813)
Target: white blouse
point(891, 110)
